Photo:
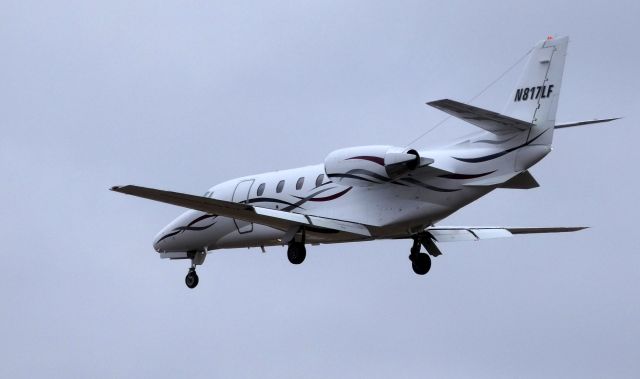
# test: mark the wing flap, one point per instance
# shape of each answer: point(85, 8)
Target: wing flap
point(488, 120)
point(269, 217)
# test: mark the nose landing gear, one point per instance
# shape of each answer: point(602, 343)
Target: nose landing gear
point(197, 258)
point(192, 279)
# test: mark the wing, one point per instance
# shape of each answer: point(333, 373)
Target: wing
point(475, 233)
point(269, 217)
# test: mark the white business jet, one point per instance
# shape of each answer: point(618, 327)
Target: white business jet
point(366, 193)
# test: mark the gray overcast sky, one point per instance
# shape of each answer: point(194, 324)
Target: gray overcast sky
point(182, 95)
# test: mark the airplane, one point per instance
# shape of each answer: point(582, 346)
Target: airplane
point(376, 192)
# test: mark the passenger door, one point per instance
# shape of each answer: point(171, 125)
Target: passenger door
point(241, 194)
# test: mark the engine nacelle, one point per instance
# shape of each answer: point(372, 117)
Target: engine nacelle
point(369, 165)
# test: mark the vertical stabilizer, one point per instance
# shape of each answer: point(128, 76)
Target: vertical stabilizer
point(535, 98)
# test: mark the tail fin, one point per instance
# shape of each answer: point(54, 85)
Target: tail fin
point(535, 98)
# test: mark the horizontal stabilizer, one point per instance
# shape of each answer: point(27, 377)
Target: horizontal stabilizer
point(488, 120)
point(270, 217)
point(475, 233)
point(523, 180)
point(581, 123)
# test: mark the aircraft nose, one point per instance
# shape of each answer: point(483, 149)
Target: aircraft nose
point(160, 240)
point(157, 241)
point(170, 238)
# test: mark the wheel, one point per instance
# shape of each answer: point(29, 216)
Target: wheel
point(191, 279)
point(421, 263)
point(296, 253)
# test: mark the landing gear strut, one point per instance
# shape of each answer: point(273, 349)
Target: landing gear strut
point(420, 262)
point(197, 258)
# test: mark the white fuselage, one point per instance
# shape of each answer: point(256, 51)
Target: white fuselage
point(395, 208)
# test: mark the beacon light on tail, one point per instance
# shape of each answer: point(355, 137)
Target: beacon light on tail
point(380, 192)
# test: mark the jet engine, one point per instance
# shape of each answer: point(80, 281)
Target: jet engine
point(369, 165)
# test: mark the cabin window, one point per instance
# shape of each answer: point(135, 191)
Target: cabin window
point(300, 182)
point(319, 180)
point(280, 186)
point(261, 189)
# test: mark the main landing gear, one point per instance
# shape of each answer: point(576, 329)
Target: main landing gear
point(296, 252)
point(197, 258)
point(421, 262)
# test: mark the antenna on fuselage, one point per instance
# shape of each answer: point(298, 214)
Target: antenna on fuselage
point(473, 98)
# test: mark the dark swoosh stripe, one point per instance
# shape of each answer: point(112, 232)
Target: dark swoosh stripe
point(498, 155)
point(204, 217)
point(194, 228)
point(185, 228)
point(267, 199)
point(465, 176)
point(427, 186)
point(305, 199)
point(369, 158)
point(375, 176)
point(169, 235)
point(349, 176)
point(323, 184)
point(331, 197)
point(369, 173)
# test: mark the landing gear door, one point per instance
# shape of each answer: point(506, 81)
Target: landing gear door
point(240, 195)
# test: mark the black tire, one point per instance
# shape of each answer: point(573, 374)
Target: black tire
point(421, 263)
point(191, 280)
point(296, 253)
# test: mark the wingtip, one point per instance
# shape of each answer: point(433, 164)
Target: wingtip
point(117, 188)
point(434, 103)
point(576, 228)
